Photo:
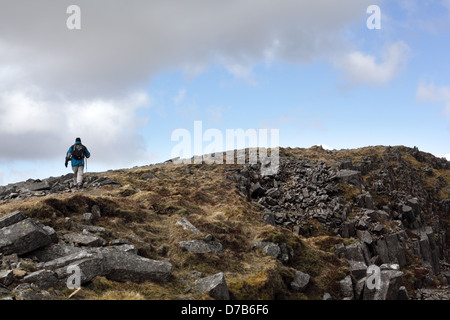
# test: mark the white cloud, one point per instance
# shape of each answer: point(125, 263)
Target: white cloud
point(180, 96)
point(429, 92)
point(447, 156)
point(38, 127)
point(56, 84)
point(359, 68)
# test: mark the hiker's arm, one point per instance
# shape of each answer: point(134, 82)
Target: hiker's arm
point(87, 153)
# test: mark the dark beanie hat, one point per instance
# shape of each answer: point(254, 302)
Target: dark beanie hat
point(78, 139)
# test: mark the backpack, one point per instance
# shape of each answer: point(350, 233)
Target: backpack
point(78, 151)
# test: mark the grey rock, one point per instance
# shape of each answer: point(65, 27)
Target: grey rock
point(346, 287)
point(44, 279)
point(269, 248)
point(390, 266)
point(39, 186)
point(94, 229)
point(301, 281)
point(12, 218)
point(350, 176)
point(55, 251)
point(96, 212)
point(354, 252)
point(23, 237)
point(402, 294)
point(391, 281)
point(381, 250)
point(188, 226)
point(6, 277)
point(273, 193)
point(90, 268)
point(326, 296)
point(364, 236)
point(358, 269)
point(88, 217)
point(201, 246)
point(51, 233)
point(428, 250)
point(149, 176)
point(256, 190)
point(395, 251)
point(214, 285)
point(359, 288)
point(88, 240)
point(66, 260)
point(365, 201)
point(125, 266)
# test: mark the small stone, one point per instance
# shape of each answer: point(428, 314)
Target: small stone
point(300, 281)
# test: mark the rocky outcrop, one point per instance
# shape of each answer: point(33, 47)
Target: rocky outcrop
point(52, 259)
point(40, 188)
point(384, 202)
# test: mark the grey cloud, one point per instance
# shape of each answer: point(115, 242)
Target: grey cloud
point(123, 44)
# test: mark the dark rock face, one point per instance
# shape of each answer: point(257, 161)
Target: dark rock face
point(390, 211)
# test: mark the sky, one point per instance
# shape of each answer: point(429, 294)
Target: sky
point(125, 75)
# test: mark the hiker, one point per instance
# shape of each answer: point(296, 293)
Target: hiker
point(76, 154)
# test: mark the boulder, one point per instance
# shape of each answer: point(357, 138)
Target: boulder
point(270, 248)
point(124, 266)
point(44, 279)
point(364, 236)
point(365, 201)
point(55, 251)
point(23, 237)
point(188, 226)
point(214, 285)
point(39, 186)
point(114, 263)
point(396, 253)
point(89, 269)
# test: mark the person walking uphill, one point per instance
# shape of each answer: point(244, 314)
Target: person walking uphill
point(76, 154)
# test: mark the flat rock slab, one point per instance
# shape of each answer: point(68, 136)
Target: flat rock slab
point(201, 246)
point(12, 218)
point(84, 239)
point(124, 266)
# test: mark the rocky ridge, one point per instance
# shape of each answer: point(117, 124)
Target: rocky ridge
point(380, 201)
point(388, 209)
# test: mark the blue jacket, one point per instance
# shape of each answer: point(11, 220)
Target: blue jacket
point(75, 162)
